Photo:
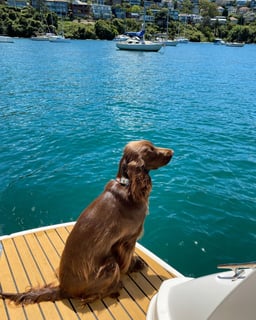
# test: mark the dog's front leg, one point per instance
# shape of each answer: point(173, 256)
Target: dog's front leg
point(124, 254)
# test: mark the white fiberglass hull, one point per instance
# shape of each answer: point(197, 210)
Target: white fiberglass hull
point(234, 44)
point(6, 39)
point(139, 46)
point(223, 296)
point(58, 39)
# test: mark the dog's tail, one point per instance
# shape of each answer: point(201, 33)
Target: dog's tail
point(34, 295)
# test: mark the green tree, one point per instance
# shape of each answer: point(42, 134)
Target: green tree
point(161, 18)
point(105, 30)
point(208, 9)
point(187, 6)
point(119, 25)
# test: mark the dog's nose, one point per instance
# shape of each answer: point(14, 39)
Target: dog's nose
point(171, 152)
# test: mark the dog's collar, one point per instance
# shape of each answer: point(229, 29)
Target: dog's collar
point(123, 181)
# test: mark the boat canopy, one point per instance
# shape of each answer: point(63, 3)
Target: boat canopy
point(139, 34)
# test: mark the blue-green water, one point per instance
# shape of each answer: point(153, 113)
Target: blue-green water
point(67, 110)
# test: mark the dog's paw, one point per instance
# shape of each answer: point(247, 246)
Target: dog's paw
point(137, 265)
point(114, 295)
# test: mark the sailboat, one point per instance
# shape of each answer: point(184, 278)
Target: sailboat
point(168, 42)
point(181, 39)
point(138, 43)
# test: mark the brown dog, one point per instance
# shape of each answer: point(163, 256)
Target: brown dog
point(101, 245)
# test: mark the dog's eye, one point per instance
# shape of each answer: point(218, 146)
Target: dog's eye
point(146, 151)
point(151, 149)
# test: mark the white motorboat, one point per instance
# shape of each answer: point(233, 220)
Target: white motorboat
point(227, 295)
point(42, 37)
point(218, 41)
point(234, 44)
point(6, 39)
point(170, 43)
point(181, 40)
point(166, 42)
point(58, 38)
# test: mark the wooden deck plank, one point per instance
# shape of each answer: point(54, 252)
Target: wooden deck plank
point(42, 245)
point(57, 240)
point(83, 312)
point(3, 312)
point(64, 232)
point(69, 228)
point(143, 284)
point(136, 294)
point(152, 277)
point(47, 270)
point(8, 311)
point(50, 310)
point(32, 259)
point(159, 270)
point(33, 275)
point(37, 277)
point(100, 310)
point(131, 306)
point(116, 309)
point(20, 274)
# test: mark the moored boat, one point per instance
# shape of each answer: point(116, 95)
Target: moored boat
point(42, 37)
point(6, 39)
point(181, 39)
point(218, 41)
point(58, 38)
point(167, 42)
point(235, 44)
point(170, 43)
point(164, 37)
point(136, 44)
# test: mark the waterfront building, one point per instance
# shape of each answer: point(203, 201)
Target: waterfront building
point(17, 3)
point(60, 7)
point(80, 9)
point(101, 11)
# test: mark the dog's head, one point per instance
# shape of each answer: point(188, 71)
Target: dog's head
point(138, 159)
point(145, 152)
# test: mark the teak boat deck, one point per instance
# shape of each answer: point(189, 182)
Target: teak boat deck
point(31, 259)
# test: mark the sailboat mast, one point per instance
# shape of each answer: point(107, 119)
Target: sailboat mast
point(144, 21)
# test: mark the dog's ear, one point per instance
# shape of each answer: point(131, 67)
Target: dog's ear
point(122, 170)
point(139, 180)
point(127, 158)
